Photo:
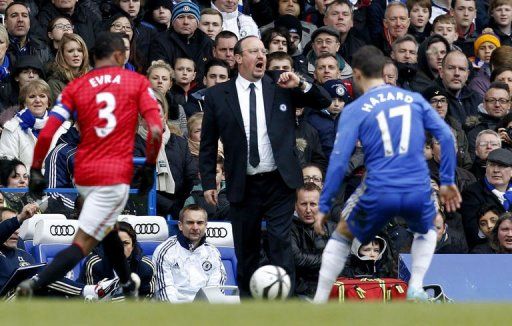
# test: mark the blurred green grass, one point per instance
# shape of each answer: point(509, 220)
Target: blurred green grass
point(59, 312)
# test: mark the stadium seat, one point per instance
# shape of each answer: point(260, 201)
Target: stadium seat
point(150, 230)
point(28, 227)
point(50, 237)
point(230, 262)
point(220, 234)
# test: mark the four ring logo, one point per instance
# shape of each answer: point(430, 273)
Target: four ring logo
point(147, 228)
point(62, 230)
point(221, 232)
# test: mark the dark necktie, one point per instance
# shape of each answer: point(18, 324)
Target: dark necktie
point(254, 156)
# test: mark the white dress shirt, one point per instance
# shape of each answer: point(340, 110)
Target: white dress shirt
point(267, 162)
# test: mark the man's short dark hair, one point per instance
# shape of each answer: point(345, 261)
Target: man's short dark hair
point(340, 2)
point(216, 63)
point(370, 61)
point(16, 3)
point(223, 34)
point(498, 85)
point(308, 186)
point(454, 2)
point(6, 209)
point(238, 45)
point(192, 207)
point(402, 39)
point(279, 55)
point(106, 44)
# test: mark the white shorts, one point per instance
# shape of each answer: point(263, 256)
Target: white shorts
point(102, 206)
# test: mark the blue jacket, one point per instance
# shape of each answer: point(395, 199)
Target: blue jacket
point(11, 258)
point(326, 125)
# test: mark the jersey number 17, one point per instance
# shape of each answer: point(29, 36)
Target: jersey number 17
point(403, 111)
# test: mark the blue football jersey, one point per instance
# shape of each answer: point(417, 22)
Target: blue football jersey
point(390, 123)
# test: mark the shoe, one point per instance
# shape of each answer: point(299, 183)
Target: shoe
point(106, 288)
point(26, 288)
point(417, 295)
point(131, 289)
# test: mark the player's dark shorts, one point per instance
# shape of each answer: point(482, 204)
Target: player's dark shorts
point(367, 211)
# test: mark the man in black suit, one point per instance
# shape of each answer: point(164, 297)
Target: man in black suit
point(254, 117)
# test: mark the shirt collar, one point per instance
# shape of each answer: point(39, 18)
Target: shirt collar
point(244, 83)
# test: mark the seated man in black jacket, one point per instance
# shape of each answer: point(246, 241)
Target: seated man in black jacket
point(307, 246)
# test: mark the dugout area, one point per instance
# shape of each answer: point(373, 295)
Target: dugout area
point(76, 312)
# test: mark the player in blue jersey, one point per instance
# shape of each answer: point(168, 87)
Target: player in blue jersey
point(390, 123)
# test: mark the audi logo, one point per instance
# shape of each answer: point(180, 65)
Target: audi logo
point(221, 232)
point(62, 230)
point(147, 228)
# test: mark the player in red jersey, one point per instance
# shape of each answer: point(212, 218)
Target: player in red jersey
point(105, 103)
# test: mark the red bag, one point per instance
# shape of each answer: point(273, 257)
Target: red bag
point(368, 289)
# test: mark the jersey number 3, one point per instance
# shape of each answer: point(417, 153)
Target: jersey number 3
point(405, 112)
point(107, 113)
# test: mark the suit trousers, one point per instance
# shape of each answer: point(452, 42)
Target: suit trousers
point(266, 196)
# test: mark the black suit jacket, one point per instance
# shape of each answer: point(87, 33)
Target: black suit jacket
point(223, 118)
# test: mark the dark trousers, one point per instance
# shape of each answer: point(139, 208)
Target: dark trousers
point(265, 196)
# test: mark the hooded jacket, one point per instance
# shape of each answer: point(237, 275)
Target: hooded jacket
point(362, 266)
point(463, 105)
point(425, 77)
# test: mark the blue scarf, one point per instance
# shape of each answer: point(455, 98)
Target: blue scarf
point(505, 198)
point(28, 121)
point(4, 68)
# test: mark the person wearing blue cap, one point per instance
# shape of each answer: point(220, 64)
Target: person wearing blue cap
point(326, 121)
point(184, 39)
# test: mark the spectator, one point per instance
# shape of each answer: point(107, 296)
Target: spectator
point(452, 77)
point(504, 128)
point(396, 23)
point(501, 237)
point(485, 45)
point(339, 15)
point(326, 68)
point(223, 48)
point(158, 14)
point(185, 71)
point(185, 263)
point(120, 23)
point(464, 12)
point(326, 121)
point(14, 174)
point(404, 52)
point(20, 133)
point(5, 69)
point(307, 246)
point(235, 21)
point(161, 75)
point(84, 24)
point(211, 22)
point(419, 14)
point(184, 39)
point(176, 170)
point(493, 189)
point(445, 26)
point(219, 212)
point(56, 29)
point(486, 142)
point(294, 27)
point(326, 40)
point(390, 73)
point(501, 20)
point(313, 174)
point(488, 215)
point(22, 41)
point(448, 241)
point(71, 61)
point(217, 71)
point(98, 267)
point(438, 98)
point(59, 171)
point(430, 57)
point(463, 178)
point(495, 106)
point(277, 39)
point(368, 260)
point(502, 74)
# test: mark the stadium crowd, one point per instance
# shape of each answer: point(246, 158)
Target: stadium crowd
point(457, 54)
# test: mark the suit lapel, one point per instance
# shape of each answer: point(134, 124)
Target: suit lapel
point(233, 104)
point(268, 97)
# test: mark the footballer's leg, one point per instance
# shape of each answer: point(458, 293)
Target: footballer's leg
point(423, 245)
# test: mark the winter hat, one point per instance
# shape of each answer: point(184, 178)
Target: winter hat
point(486, 38)
point(337, 89)
point(433, 91)
point(185, 7)
point(291, 23)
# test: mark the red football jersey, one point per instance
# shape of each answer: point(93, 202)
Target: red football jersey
point(105, 102)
